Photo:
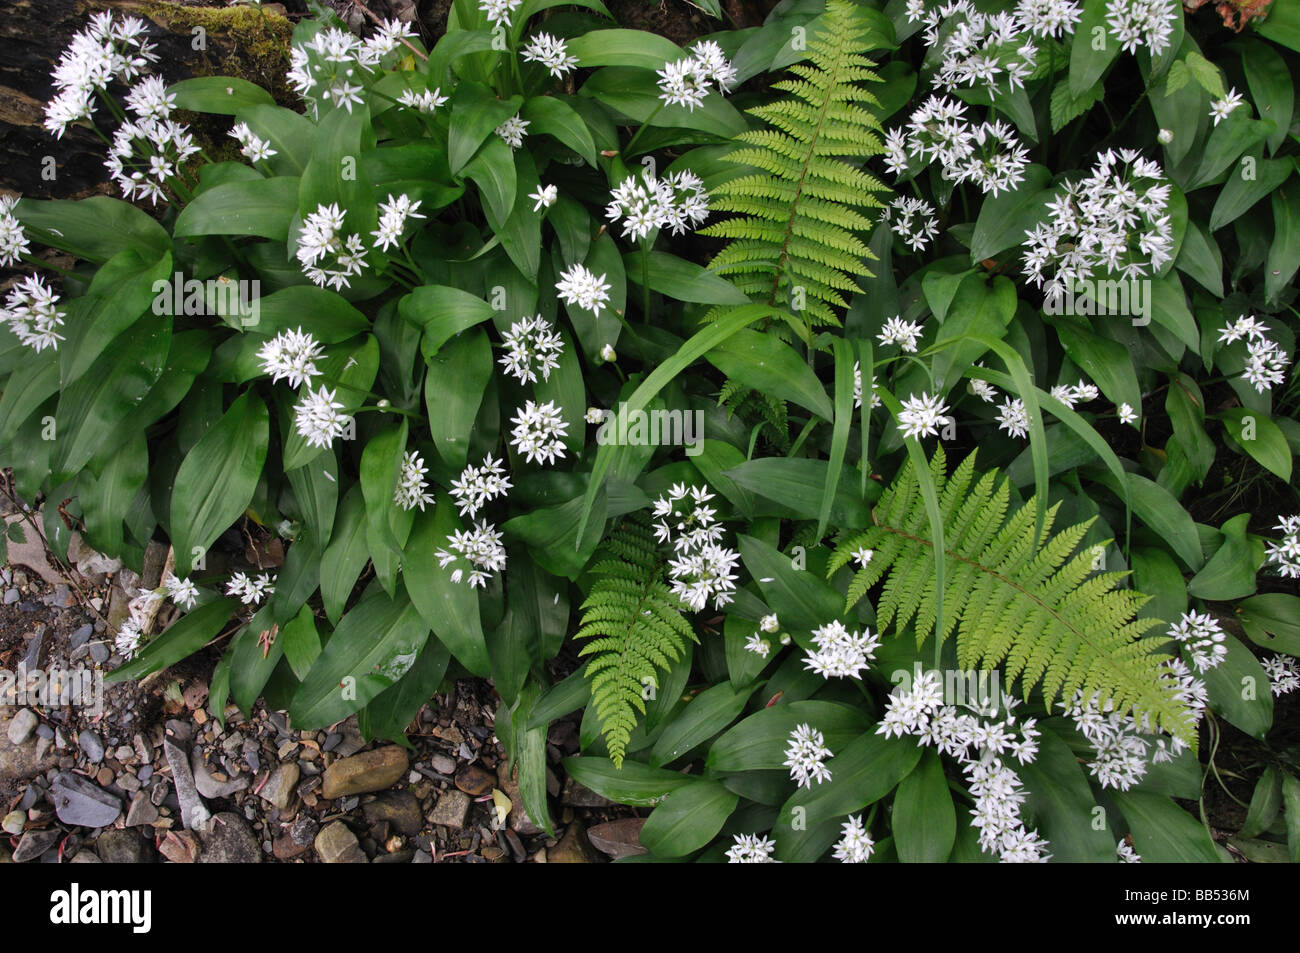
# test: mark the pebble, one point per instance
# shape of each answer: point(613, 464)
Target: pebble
point(80, 803)
point(99, 652)
point(229, 840)
point(372, 771)
point(35, 843)
point(12, 596)
point(123, 753)
point(45, 731)
point(141, 812)
point(331, 741)
point(621, 838)
point(193, 810)
point(399, 809)
point(22, 725)
point(443, 764)
point(279, 787)
point(451, 809)
point(475, 780)
point(14, 822)
point(336, 844)
point(81, 636)
point(104, 777)
point(123, 847)
point(180, 847)
point(145, 773)
point(573, 848)
point(211, 785)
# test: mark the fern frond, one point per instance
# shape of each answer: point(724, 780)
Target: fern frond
point(795, 240)
point(635, 628)
point(1014, 598)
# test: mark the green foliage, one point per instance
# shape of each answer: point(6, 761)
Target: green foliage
point(632, 617)
point(795, 238)
point(1012, 597)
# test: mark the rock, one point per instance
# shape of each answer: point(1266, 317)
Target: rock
point(14, 822)
point(279, 787)
point(123, 847)
point(618, 838)
point(228, 839)
point(79, 803)
point(399, 808)
point(451, 809)
point(86, 857)
point(180, 847)
point(362, 773)
point(449, 734)
point(475, 780)
point(19, 762)
point(575, 795)
point(99, 652)
point(573, 848)
point(520, 822)
point(89, 743)
point(141, 812)
point(12, 596)
point(35, 843)
point(104, 776)
point(351, 741)
point(336, 844)
point(22, 725)
point(193, 811)
point(443, 765)
point(79, 638)
point(210, 787)
point(297, 840)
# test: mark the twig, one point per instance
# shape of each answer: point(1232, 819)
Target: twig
point(374, 19)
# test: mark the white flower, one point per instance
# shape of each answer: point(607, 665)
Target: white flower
point(513, 130)
point(1220, 109)
point(607, 353)
point(1126, 854)
point(1135, 22)
point(686, 82)
point(857, 387)
point(855, 846)
point(183, 592)
point(678, 201)
point(1285, 554)
point(105, 51)
point(321, 240)
point(545, 196)
point(251, 146)
point(318, 419)
point(862, 556)
point(904, 333)
point(1048, 17)
point(841, 653)
point(921, 415)
point(250, 591)
point(127, 642)
point(758, 645)
point(392, 219)
point(751, 849)
point(1203, 638)
point(1165, 136)
point(685, 519)
point(499, 11)
point(538, 432)
point(579, 286)
point(31, 313)
point(704, 573)
point(481, 547)
point(912, 220)
point(426, 101)
point(389, 35)
point(769, 623)
point(1265, 364)
point(13, 240)
point(1013, 418)
point(595, 415)
point(804, 756)
point(551, 52)
point(1283, 674)
point(411, 483)
point(477, 486)
point(532, 347)
point(291, 355)
point(1127, 415)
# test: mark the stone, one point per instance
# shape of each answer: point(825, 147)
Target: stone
point(362, 773)
point(123, 847)
point(279, 786)
point(618, 839)
point(180, 847)
point(36, 650)
point(99, 652)
point(12, 596)
point(207, 785)
point(351, 741)
point(451, 809)
point(35, 843)
point(91, 745)
point(475, 780)
point(193, 811)
point(227, 839)
point(14, 822)
point(519, 821)
point(576, 795)
point(19, 762)
point(297, 840)
point(336, 844)
point(399, 808)
point(573, 848)
point(141, 812)
point(22, 726)
point(443, 765)
point(86, 857)
point(78, 803)
point(79, 638)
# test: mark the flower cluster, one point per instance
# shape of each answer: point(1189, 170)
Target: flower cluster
point(841, 653)
point(989, 154)
point(481, 547)
point(687, 81)
point(1013, 417)
point(1138, 22)
point(31, 312)
point(984, 745)
point(13, 239)
point(922, 414)
point(678, 201)
point(539, 431)
point(393, 216)
point(148, 150)
point(425, 100)
point(857, 387)
point(328, 257)
point(182, 592)
point(532, 347)
point(1079, 393)
point(551, 52)
point(1114, 220)
point(319, 418)
point(412, 487)
point(912, 221)
point(291, 355)
point(906, 334)
point(1283, 674)
point(512, 131)
point(855, 845)
point(106, 51)
point(702, 568)
point(478, 486)
point(804, 756)
point(751, 849)
point(1265, 361)
point(977, 47)
point(250, 591)
point(328, 67)
point(1202, 639)
point(579, 286)
point(1285, 554)
point(253, 148)
point(499, 11)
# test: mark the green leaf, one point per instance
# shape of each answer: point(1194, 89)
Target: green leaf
point(800, 599)
point(553, 116)
point(688, 819)
point(450, 609)
point(215, 482)
point(801, 485)
point(395, 707)
point(1271, 86)
point(1062, 802)
point(552, 535)
point(1265, 802)
point(475, 113)
point(458, 377)
point(1272, 620)
point(1158, 509)
point(346, 554)
point(635, 94)
point(924, 820)
point(289, 133)
point(180, 640)
point(1259, 437)
point(768, 365)
point(700, 719)
point(1205, 73)
point(1107, 362)
point(1087, 64)
point(1282, 24)
point(96, 229)
point(1239, 193)
point(326, 314)
point(624, 48)
point(1066, 107)
point(1163, 832)
point(1230, 572)
point(332, 176)
point(493, 171)
point(220, 95)
point(301, 642)
point(443, 312)
point(1284, 252)
point(1239, 690)
point(683, 280)
point(1291, 812)
point(374, 645)
point(843, 351)
point(1004, 218)
point(634, 784)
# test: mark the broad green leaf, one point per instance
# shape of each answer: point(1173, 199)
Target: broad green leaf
point(683, 280)
point(1261, 438)
point(553, 116)
point(346, 554)
point(1004, 218)
point(688, 818)
point(1063, 805)
point(459, 374)
point(262, 207)
point(800, 599)
point(180, 640)
point(634, 784)
point(450, 609)
point(767, 364)
point(1087, 62)
point(220, 95)
point(798, 483)
point(1230, 572)
point(700, 719)
point(624, 48)
point(395, 707)
point(475, 112)
point(443, 312)
point(1163, 832)
point(924, 819)
point(1272, 621)
point(1239, 690)
point(1265, 803)
point(95, 229)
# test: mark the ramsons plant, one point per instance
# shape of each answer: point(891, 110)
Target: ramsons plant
point(557, 331)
